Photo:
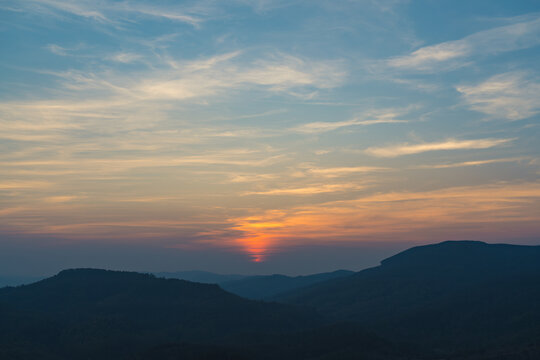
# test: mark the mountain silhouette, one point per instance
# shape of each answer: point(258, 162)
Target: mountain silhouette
point(257, 287)
point(204, 277)
point(89, 313)
point(459, 300)
point(268, 286)
point(453, 295)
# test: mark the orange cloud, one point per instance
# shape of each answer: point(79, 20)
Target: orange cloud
point(499, 210)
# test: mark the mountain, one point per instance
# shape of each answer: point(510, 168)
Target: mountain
point(464, 295)
point(89, 313)
point(100, 314)
point(268, 286)
point(256, 287)
point(454, 300)
point(204, 277)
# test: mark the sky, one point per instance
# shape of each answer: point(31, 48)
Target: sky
point(266, 135)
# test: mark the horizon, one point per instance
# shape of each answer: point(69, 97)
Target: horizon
point(368, 262)
point(261, 137)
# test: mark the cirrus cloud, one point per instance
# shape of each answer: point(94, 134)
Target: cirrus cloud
point(512, 95)
point(450, 144)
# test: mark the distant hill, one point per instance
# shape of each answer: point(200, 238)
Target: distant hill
point(97, 314)
point(256, 287)
point(268, 286)
point(452, 295)
point(204, 277)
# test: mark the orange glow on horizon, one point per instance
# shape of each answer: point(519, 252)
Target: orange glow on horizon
point(256, 246)
point(462, 212)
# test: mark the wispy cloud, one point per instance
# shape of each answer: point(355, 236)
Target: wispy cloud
point(308, 190)
point(24, 184)
point(134, 108)
point(469, 163)
point(342, 171)
point(73, 51)
point(183, 80)
point(63, 198)
point(78, 8)
point(513, 95)
point(57, 49)
point(372, 117)
point(126, 57)
point(251, 178)
point(167, 13)
point(112, 12)
point(490, 211)
point(261, 6)
point(452, 54)
point(450, 144)
point(427, 58)
point(110, 165)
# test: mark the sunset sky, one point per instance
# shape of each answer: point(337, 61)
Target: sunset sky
point(242, 135)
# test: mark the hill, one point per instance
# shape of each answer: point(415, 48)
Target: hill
point(268, 286)
point(256, 287)
point(204, 277)
point(92, 313)
point(99, 314)
point(454, 300)
point(464, 295)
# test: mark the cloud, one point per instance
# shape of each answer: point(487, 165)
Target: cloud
point(112, 12)
point(23, 185)
point(116, 165)
point(79, 8)
point(469, 163)
point(341, 171)
point(451, 54)
point(251, 178)
point(57, 49)
point(512, 95)
point(492, 212)
point(308, 190)
point(427, 58)
point(170, 14)
point(183, 80)
point(125, 57)
point(266, 5)
point(324, 126)
point(136, 107)
point(450, 144)
point(63, 198)
point(372, 117)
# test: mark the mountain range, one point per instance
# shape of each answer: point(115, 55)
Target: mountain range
point(456, 294)
point(258, 287)
point(453, 300)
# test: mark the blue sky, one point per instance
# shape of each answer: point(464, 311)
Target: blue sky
point(258, 127)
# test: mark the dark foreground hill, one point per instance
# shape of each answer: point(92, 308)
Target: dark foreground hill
point(98, 314)
point(95, 312)
point(459, 296)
